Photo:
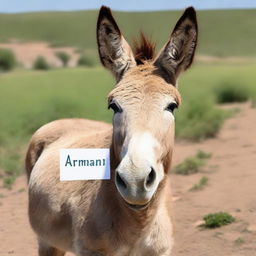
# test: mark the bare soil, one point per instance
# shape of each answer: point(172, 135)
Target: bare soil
point(27, 52)
point(232, 188)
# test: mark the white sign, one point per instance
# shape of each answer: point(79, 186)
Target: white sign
point(84, 164)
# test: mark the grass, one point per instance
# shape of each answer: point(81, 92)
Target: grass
point(201, 184)
point(203, 155)
point(216, 220)
point(239, 241)
point(29, 99)
point(192, 164)
point(189, 166)
point(230, 92)
point(218, 35)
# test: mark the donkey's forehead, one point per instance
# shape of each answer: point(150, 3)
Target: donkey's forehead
point(141, 81)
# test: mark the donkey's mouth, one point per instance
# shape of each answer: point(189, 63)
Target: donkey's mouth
point(137, 206)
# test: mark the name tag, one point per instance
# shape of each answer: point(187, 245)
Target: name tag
point(84, 164)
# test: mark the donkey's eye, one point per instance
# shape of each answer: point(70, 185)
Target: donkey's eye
point(115, 107)
point(171, 107)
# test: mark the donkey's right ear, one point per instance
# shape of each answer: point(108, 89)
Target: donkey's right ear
point(115, 53)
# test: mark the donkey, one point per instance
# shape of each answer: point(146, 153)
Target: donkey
point(130, 214)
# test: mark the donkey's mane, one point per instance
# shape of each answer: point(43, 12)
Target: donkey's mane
point(144, 49)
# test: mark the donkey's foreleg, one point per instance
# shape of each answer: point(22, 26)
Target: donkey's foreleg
point(47, 250)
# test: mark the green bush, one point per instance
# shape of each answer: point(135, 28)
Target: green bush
point(215, 220)
point(189, 166)
point(7, 60)
point(86, 61)
point(41, 64)
point(201, 184)
point(198, 120)
point(192, 164)
point(63, 57)
point(229, 92)
point(203, 155)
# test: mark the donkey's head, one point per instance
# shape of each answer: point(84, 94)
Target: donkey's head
point(143, 102)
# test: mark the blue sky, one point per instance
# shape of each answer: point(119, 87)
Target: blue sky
point(10, 6)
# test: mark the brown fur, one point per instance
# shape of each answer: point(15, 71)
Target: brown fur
point(144, 49)
point(91, 218)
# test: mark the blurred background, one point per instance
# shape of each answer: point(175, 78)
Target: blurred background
point(49, 69)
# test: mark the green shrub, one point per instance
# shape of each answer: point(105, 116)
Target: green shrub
point(203, 155)
point(192, 164)
point(239, 241)
point(41, 64)
point(63, 57)
point(8, 181)
point(189, 166)
point(215, 220)
point(201, 184)
point(229, 92)
point(7, 60)
point(198, 120)
point(86, 60)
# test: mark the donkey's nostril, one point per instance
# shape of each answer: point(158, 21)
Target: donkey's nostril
point(151, 178)
point(120, 182)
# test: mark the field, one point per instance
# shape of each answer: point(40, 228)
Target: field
point(45, 96)
point(222, 32)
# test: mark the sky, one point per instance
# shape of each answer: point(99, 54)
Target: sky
point(13, 6)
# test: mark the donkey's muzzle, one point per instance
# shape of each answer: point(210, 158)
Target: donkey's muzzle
point(136, 189)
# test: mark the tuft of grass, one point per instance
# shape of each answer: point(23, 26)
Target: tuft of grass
point(192, 164)
point(239, 241)
point(8, 181)
point(203, 155)
point(216, 220)
point(230, 91)
point(189, 166)
point(201, 184)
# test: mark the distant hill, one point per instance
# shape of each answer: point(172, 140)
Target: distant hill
point(222, 32)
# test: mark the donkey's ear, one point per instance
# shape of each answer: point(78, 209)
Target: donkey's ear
point(178, 53)
point(115, 53)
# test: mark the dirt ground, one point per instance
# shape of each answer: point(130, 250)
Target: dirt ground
point(232, 188)
point(27, 52)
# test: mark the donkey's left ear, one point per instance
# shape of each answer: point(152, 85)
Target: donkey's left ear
point(115, 53)
point(179, 51)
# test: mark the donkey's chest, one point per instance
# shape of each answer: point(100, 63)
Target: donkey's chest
point(156, 241)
